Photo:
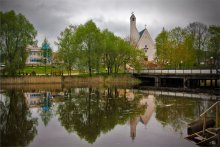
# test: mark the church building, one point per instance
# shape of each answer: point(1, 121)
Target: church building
point(142, 39)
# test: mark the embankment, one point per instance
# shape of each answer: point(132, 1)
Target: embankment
point(71, 80)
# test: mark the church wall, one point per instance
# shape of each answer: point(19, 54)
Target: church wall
point(146, 40)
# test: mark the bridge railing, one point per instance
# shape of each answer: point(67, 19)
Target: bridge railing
point(178, 71)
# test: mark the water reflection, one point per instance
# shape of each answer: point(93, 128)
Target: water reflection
point(18, 128)
point(149, 101)
point(177, 112)
point(90, 112)
point(93, 112)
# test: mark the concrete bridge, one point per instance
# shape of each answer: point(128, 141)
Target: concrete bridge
point(189, 78)
point(179, 71)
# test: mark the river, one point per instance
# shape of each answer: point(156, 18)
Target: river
point(98, 116)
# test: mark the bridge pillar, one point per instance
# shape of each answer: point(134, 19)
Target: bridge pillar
point(211, 83)
point(157, 82)
point(185, 83)
point(216, 83)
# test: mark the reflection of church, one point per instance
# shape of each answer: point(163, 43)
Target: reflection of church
point(144, 119)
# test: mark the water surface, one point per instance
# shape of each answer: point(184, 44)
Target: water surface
point(97, 117)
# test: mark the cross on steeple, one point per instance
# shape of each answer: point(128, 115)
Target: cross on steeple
point(132, 13)
point(145, 26)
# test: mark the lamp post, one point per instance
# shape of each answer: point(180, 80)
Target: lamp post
point(181, 63)
point(211, 63)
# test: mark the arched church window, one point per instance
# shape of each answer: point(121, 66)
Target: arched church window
point(133, 19)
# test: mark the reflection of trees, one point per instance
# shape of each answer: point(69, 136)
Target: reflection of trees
point(92, 111)
point(18, 128)
point(177, 111)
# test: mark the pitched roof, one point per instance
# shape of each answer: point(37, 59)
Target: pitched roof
point(141, 32)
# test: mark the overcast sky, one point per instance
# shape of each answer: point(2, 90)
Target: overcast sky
point(50, 17)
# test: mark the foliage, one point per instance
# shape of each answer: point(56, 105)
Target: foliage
point(196, 45)
point(162, 45)
point(200, 38)
point(88, 49)
point(89, 40)
point(214, 44)
point(175, 49)
point(68, 49)
point(16, 32)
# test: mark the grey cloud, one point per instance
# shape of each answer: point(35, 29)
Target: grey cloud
point(52, 16)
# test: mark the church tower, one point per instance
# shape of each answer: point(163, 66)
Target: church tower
point(134, 35)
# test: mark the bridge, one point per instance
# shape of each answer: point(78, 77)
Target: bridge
point(190, 78)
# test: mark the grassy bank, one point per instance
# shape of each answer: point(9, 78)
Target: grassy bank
point(71, 80)
point(102, 80)
point(30, 80)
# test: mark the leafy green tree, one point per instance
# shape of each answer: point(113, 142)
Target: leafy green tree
point(163, 47)
point(87, 48)
point(109, 50)
point(137, 58)
point(175, 48)
point(16, 32)
point(89, 40)
point(68, 48)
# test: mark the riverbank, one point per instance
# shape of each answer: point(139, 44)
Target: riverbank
point(71, 80)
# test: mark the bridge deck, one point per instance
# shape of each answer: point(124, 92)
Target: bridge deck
point(179, 71)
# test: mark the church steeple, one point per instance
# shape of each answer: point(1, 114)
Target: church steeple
point(133, 18)
point(134, 35)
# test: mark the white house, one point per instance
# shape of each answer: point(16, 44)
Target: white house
point(34, 55)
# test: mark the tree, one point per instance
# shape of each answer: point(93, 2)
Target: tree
point(46, 52)
point(214, 44)
point(109, 50)
point(200, 36)
point(175, 48)
point(68, 48)
point(89, 40)
point(87, 48)
point(163, 47)
point(16, 32)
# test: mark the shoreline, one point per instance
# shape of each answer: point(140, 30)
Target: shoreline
point(72, 80)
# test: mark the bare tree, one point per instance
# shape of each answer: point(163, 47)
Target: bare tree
point(200, 36)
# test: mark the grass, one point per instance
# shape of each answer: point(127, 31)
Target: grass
point(41, 70)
